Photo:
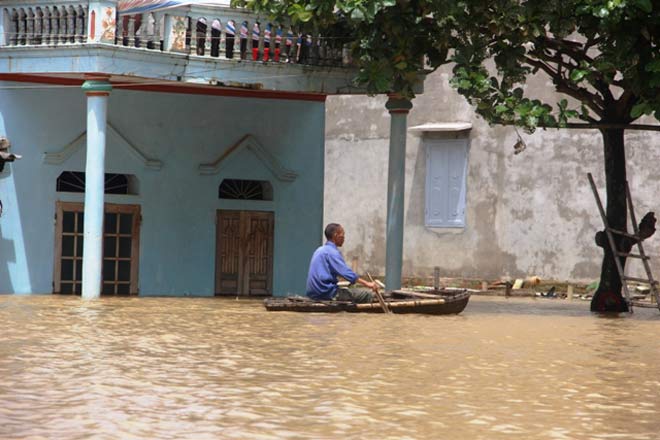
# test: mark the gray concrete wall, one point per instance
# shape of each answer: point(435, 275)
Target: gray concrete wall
point(526, 214)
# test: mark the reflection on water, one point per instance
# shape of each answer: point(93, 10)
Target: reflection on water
point(159, 368)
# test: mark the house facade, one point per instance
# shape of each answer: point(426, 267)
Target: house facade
point(157, 161)
point(166, 140)
point(474, 208)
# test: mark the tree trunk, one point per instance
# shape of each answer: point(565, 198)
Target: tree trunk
point(608, 297)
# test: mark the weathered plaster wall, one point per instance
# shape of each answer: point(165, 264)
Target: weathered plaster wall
point(531, 213)
point(177, 243)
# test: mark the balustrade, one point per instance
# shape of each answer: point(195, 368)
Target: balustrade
point(50, 24)
point(197, 30)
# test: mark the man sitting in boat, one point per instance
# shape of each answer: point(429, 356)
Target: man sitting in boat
point(327, 263)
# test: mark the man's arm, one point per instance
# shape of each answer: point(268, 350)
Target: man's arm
point(338, 264)
point(373, 286)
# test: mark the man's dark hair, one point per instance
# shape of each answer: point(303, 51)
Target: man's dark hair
point(331, 229)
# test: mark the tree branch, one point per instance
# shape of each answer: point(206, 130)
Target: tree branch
point(604, 126)
point(591, 42)
point(628, 99)
point(578, 52)
point(598, 84)
point(597, 126)
point(543, 66)
point(593, 101)
point(571, 48)
point(602, 88)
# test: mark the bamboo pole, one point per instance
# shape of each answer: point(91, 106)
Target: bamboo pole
point(399, 304)
point(381, 300)
point(417, 294)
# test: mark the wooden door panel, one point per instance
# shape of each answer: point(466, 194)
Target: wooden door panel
point(244, 255)
point(228, 252)
point(259, 252)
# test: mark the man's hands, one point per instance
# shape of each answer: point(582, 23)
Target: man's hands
point(373, 286)
point(370, 284)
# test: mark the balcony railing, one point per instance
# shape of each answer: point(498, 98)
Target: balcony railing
point(62, 23)
point(218, 32)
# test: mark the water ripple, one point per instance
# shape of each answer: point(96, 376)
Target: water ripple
point(182, 368)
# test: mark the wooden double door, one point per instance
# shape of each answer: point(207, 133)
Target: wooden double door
point(244, 253)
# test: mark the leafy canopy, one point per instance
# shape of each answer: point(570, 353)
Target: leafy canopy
point(602, 53)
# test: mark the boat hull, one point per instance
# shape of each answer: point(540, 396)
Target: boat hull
point(441, 304)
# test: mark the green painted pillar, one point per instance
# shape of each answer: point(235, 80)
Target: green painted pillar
point(97, 92)
point(396, 177)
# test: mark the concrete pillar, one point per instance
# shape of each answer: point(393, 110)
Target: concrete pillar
point(97, 92)
point(398, 108)
point(174, 39)
point(4, 26)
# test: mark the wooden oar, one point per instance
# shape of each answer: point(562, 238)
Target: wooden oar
point(381, 300)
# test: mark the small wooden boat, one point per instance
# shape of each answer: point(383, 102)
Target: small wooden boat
point(440, 302)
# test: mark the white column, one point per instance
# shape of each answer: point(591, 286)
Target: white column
point(396, 177)
point(97, 103)
point(131, 31)
point(4, 26)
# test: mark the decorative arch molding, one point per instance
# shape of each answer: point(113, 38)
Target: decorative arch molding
point(114, 136)
point(250, 143)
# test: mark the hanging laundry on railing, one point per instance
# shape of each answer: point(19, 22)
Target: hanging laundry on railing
point(142, 6)
point(256, 33)
point(267, 35)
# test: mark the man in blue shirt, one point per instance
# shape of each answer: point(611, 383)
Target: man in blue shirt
point(327, 263)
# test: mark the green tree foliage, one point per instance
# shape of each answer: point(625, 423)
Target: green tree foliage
point(604, 54)
point(392, 42)
point(601, 55)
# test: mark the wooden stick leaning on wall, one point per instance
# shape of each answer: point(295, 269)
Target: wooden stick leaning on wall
point(381, 300)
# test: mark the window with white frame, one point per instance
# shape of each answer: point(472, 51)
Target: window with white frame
point(446, 182)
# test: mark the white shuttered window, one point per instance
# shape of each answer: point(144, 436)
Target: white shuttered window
point(446, 176)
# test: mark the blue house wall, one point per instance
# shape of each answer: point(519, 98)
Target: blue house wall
point(178, 203)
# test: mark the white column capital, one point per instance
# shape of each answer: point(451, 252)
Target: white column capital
point(97, 86)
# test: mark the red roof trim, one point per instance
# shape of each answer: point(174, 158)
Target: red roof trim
point(167, 88)
point(41, 79)
point(240, 93)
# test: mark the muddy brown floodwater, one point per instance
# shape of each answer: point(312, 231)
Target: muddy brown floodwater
point(160, 368)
